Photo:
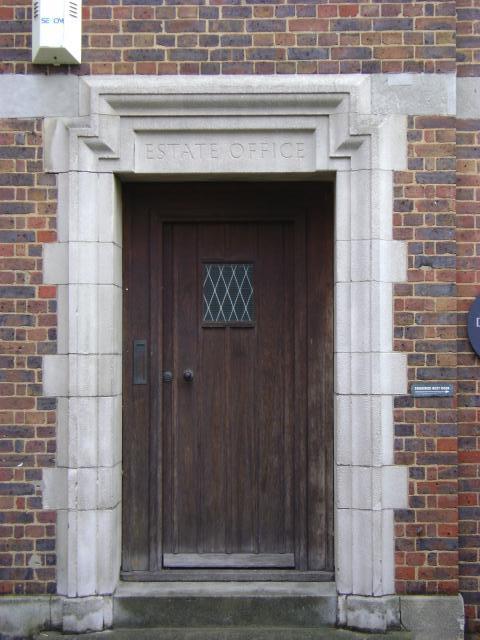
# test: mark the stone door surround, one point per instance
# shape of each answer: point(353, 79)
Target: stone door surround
point(268, 128)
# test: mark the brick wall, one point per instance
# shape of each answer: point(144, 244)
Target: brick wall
point(468, 371)
point(27, 331)
point(226, 36)
point(468, 38)
point(425, 328)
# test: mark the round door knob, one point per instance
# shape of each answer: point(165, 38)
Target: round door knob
point(167, 376)
point(188, 375)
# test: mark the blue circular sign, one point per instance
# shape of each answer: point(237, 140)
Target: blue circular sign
point(474, 325)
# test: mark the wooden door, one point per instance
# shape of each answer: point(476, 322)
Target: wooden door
point(227, 383)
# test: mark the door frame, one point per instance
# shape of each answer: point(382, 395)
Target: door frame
point(91, 154)
point(306, 203)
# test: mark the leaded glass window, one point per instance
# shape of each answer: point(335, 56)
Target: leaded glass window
point(228, 293)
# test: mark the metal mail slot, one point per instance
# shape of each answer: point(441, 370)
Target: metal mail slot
point(139, 362)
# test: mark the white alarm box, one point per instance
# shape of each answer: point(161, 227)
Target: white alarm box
point(57, 31)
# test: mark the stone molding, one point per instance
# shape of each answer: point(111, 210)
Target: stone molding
point(39, 96)
point(91, 155)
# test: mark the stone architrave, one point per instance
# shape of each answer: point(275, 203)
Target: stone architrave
point(230, 127)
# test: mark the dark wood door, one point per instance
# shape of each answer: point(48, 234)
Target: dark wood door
point(230, 319)
point(227, 383)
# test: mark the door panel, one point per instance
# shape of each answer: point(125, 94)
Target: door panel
point(230, 467)
point(231, 470)
point(136, 411)
point(229, 560)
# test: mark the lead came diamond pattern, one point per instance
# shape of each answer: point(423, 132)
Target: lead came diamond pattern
point(228, 293)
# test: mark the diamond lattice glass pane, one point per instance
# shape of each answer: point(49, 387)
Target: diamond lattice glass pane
point(228, 293)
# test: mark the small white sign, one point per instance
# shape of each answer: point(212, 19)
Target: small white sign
point(432, 390)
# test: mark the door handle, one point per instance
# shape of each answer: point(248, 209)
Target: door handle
point(167, 376)
point(188, 375)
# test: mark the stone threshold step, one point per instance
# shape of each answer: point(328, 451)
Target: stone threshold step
point(219, 605)
point(232, 633)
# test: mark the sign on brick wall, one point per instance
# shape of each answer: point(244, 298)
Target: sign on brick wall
point(474, 325)
point(431, 390)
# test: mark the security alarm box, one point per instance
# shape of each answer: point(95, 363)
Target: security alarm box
point(57, 32)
